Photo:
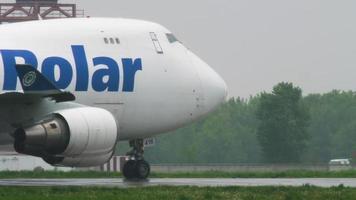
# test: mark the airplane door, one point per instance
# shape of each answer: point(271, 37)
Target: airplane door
point(156, 43)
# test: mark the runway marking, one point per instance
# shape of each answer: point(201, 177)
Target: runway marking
point(201, 182)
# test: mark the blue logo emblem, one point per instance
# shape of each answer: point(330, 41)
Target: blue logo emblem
point(29, 79)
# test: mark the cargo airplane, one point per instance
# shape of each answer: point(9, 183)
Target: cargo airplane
point(70, 89)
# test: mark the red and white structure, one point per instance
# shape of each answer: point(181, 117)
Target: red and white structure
point(26, 10)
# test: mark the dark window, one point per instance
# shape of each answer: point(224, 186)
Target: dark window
point(106, 40)
point(112, 40)
point(171, 38)
point(117, 40)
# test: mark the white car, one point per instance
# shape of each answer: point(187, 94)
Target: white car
point(340, 162)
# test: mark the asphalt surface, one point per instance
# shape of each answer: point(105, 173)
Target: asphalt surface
point(201, 182)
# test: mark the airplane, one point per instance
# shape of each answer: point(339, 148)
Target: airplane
point(70, 89)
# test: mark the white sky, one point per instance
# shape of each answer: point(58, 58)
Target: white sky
point(254, 44)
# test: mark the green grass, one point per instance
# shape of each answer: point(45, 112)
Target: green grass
point(179, 193)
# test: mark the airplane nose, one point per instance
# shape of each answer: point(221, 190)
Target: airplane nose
point(214, 88)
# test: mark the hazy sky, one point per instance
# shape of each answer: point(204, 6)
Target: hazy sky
point(255, 44)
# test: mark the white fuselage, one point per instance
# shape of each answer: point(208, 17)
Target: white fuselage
point(173, 87)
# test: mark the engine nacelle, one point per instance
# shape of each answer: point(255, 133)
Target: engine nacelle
point(77, 137)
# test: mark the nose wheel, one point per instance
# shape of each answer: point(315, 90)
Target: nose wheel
point(136, 168)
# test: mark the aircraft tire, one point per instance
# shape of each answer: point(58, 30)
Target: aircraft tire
point(142, 170)
point(129, 171)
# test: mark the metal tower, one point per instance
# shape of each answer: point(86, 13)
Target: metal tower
point(26, 10)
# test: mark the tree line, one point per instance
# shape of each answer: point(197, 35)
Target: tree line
point(278, 127)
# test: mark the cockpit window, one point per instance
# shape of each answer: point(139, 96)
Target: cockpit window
point(171, 38)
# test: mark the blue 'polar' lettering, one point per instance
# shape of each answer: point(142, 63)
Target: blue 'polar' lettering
point(81, 64)
point(9, 61)
point(106, 75)
point(130, 69)
point(112, 73)
point(65, 71)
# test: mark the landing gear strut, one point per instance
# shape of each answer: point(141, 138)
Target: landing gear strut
point(136, 167)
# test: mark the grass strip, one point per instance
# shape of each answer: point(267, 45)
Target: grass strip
point(179, 193)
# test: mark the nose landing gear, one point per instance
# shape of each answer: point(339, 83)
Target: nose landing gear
point(136, 167)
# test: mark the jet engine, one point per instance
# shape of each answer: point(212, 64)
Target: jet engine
point(78, 137)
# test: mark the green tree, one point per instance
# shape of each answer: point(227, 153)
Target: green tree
point(333, 126)
point(282, 130)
